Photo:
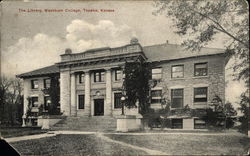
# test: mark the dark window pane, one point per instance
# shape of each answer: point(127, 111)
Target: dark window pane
point(156, 93)
point(34, 101)
point(157, 73)
point(118, 75)
point(199, 124)
point(47, 83)
point(200, 94)
point(200, 69)
point(81, 78)
point(117, 100)
point(34, 84)
point(80, 101)
point(156, 100)
point(177, 98)
point(177, 123)
point(99, 76)
point(47, 102)
point(177, 71)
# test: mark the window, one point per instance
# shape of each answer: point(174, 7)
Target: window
point(177, 71)
point(157, 73)
point(118, 75)
point(177, 98)
point(47, 102)
point(46, 83)
point(81, 78)
point(99, 76)
point(200, 69)
point(117, 100)
point(80, 101)
point(34, 84)
point(156, 96)
point(200, 94)
point(34, 101)
point(177, 123)
point(199, 124)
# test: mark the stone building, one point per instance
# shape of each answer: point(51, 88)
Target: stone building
point(91, 81)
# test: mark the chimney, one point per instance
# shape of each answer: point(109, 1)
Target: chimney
point(134, 41)
point(68, 51)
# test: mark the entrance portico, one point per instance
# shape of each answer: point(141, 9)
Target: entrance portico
point(92, 76)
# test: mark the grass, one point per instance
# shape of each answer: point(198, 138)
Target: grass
point(180, 144)
point(72, 145)
point(8, 132)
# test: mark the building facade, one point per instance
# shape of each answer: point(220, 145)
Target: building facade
point(91, 81)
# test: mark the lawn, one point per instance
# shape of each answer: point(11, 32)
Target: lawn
point(8, 132)
point(183, 144)
point(73, 145)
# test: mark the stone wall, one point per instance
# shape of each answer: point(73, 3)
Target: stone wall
point(215, 80)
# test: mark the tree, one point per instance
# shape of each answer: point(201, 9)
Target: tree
point(4, 87)
point(54, 94)
point(11, 100)
point(201, 21)
point(245, 109)
point(136, 85)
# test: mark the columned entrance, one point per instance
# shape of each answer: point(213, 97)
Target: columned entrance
point(98, 107)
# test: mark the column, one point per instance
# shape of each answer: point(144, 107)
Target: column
point(87, 93)
point(26, 87)
point(65, 92)
point(108, 103)
point(73, 94)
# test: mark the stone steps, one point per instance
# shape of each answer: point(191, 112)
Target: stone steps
point(95, 123)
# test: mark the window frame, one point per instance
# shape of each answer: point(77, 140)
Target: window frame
point(160, 73)
point(179, 126)
point(115, 105)
point(45, 84)
point(78, 101)
point(172, 98)
point(45, 103)
point(200, 63)
point(33, 84)
point(200, 125)
point(81, 77)
point(172, 73)
point(32, 101)
point(156, 99)
point(99, 76)
point(195, 98)
point(116, 74)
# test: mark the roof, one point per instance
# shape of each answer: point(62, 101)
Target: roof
point(162, 52)
point(53, 69)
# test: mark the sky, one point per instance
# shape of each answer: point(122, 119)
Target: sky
point(32, 38)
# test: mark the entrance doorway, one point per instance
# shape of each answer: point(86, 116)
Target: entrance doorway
point(98, 107)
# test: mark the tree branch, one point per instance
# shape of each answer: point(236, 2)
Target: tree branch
point(221, 28)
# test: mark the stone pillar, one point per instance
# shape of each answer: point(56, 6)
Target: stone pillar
point(65, 92)
point(26, 87)
point(108, 103)
point(73, 94)
point(87, 93)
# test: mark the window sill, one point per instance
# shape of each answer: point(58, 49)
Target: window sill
point(117, 108)
point(200, 103)
point(181, 78)
point(34, 89)
point(99, 82)
point(200, 77)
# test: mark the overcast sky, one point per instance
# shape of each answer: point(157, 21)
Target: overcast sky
point(30, 40)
